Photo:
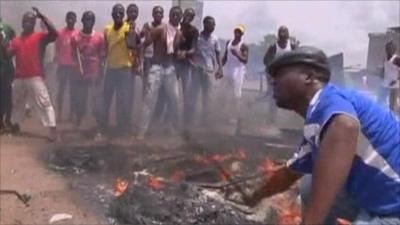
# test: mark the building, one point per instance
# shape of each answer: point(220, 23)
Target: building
point(376, 47)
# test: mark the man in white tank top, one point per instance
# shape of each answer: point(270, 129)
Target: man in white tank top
point(391, 82)
point(282, 45)
point(234, 63)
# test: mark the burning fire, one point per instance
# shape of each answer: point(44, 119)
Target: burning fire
point(267, 166)
point(120, 187)
point(288, 209)
point(240, 154)
point(178, 176)
point(156, 183)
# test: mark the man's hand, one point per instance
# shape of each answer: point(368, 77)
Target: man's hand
point(37, 12)
point(181, 55)
point(219, 74)
point(277, 180)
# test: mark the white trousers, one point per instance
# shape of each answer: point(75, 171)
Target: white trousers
point(32, 91)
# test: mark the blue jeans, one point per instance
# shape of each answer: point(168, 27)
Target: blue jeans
point(201, 82)
point(185, 71)
point(345, 208)
point(159, 77)
point(119, 81)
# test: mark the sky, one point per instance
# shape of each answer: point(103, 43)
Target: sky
point(334, 26)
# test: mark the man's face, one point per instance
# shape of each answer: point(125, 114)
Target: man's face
point(118, 14)
point(283, 34)
point(70, 20)
point(88, 21)
point(188, 16)
point(289, 86)
point(158, 14)
point(209, 25)
point(237, 33)
point(175, 16)
point(28, 22)
point(132, 13)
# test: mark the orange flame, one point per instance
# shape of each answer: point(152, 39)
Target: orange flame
point(120, 187)
point(178, 176)
point(240, 154)
point(156, 183)
point(267, 166)
point(288, 210)
point(224, 176)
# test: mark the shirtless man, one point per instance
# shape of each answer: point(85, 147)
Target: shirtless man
point(165, 39)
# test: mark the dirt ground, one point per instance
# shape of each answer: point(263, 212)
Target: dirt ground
point(23, 170)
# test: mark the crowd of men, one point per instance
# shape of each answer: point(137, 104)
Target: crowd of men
point(96, 66)
point(350, 143)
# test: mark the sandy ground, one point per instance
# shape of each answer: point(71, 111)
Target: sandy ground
point(22, 170)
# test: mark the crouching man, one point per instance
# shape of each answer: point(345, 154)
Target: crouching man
point(350, 143)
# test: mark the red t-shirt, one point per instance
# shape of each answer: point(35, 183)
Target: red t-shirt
point(91, 49)
point(28, 55)
point(63, 47)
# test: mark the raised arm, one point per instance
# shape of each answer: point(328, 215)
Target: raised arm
point(52, 32)
point(332, 167)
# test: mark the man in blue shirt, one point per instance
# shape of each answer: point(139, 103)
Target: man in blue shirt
point(349, 143)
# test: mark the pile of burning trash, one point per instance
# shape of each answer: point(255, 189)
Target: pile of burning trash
point(180, 187)
point(149, 200)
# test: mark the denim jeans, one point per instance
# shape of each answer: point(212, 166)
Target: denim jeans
point(64, 76)
point(185, 71)
point(202, 80)
point(159, 77)
point(83, 88)
point(121, 82)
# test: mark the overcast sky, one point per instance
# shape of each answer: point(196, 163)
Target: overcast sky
point(335, 26)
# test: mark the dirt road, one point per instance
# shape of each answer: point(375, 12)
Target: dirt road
point(23, 170)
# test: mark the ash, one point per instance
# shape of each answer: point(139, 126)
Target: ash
point(175, 204)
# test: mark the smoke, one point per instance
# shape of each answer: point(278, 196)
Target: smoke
point(12, 11)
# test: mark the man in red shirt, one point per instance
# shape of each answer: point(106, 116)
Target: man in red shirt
point(28, 83)
point(63, 57)
point(89, 52)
